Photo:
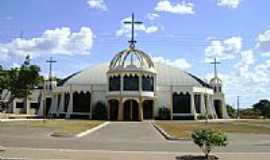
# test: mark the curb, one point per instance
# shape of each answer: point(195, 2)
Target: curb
point(166, 135)
point(92, 130)
point(2, 149)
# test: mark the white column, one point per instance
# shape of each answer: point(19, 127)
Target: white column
point(70, 104)
point(55, 104)
point(27, 105)
point(193, 109)
point(203, 110)
point(224, 110)
point(209, 106)
point(140, 83)
point(62, 103)
point(14, 105)
point(41, 105)
point(214, 113)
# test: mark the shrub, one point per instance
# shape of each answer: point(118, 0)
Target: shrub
point(206, 139)
point(164, 113)
point(201, 116)
point(100, 111)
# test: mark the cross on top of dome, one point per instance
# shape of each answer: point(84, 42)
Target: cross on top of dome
point(133, 23)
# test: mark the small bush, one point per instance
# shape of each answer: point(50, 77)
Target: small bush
point(206, 139)
point(201, 116)
point(100, 111)
point(164, 113)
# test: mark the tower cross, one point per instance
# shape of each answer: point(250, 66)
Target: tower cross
point(215, 66)
point(50, 61)
point(132, 22)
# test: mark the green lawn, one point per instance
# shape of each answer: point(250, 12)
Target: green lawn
point(183, 130)
point(61, 127)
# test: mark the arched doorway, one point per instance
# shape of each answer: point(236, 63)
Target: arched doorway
point(81, 102)
point(148, 109)
point(218, 108)
point(131, 110)
point(113, 104)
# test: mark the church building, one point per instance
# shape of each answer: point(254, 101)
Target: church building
point(133, 87)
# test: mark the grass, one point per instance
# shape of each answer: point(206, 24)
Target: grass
point(61, 128)
point(183, 130)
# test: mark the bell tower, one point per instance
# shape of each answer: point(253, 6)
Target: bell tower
point(218, 97)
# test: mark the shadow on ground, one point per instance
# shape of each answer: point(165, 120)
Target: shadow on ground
point(191, 157)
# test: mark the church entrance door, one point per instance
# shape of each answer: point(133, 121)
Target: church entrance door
point(148, 109)
point(218, 108)
point(131, 110)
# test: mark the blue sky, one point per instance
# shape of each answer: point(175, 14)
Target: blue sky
point(182, 33)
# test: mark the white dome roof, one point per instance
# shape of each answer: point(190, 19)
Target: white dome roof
point(166, 75)
point(130, 59)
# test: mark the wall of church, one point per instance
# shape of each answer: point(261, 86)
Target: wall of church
point(163, 94)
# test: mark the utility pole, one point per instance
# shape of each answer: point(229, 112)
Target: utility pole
point(238, 108)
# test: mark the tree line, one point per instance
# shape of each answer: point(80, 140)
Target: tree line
point(19, 81)
point(260, 109)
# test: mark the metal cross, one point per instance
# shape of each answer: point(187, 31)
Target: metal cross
point(50, 61)
point(215, 66)
point(132, 22)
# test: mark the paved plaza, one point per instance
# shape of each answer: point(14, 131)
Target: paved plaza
point(119, 139)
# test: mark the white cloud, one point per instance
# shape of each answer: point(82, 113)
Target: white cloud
point(151, 29)
point(179, 62)
point(229, 3)
point(152, 16)
point(226, 49)
point(247, 59)
point(263, 42)
point(97, 4)
point(179, 8)
point(125, 29)
point(57, 41)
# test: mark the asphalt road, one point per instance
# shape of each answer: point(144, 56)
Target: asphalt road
point(120, 136)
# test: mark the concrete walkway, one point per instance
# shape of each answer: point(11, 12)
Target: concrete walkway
point(126, 132)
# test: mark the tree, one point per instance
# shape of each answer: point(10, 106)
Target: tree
point(206, 139)
point(100, 111)
point(19, 81)
point(231, 111)
point(164, 113)
point(263, 106)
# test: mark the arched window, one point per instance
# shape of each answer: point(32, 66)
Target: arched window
point(147, 83)
point(220, 89)
point(114, 83)
point(131, 83)
point(215, 89)
point(181, 103)
point(81, 102)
